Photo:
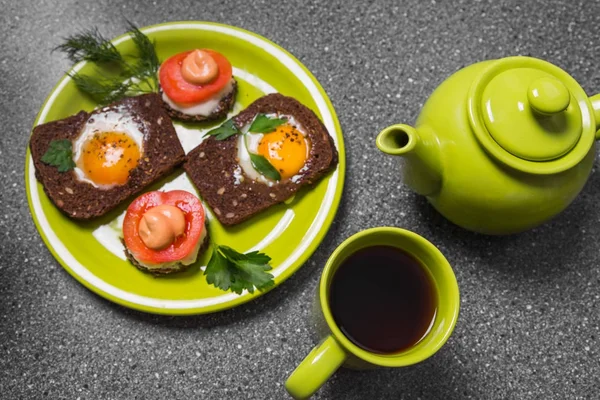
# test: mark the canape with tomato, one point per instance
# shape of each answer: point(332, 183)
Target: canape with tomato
point(163, 232)
point(197, 85)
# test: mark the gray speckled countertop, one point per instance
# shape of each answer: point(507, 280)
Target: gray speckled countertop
point(530, 318)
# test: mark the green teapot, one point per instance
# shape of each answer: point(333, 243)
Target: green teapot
point(501, 146)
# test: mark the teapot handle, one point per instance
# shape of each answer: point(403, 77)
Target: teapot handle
point(595, 100)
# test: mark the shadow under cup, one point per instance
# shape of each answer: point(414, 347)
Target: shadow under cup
point(443, 280)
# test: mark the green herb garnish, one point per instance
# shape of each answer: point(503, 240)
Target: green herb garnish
point(264, 124)
point(90, 45)
point(230, 270)
point(147, 64)
point(128, 75)
point(262, 165)
point(261, 124)
point(227, 129)
point(60, 155)
point(102, 91)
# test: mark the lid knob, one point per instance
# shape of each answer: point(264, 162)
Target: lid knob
point(548, 95)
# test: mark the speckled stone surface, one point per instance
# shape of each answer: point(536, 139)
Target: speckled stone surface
point(530, 321)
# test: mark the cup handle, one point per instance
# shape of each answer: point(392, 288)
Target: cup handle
point(315, 369)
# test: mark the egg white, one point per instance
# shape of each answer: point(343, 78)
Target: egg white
point(110, 120)
point(248, 143)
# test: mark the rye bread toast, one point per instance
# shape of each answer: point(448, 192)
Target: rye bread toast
point(220, 111)
point(81, 200)
point(212, 165)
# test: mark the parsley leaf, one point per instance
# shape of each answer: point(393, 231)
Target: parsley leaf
point(60, 155)
point(217, 270)
point(230, 270)
point(263, 166)
point(227, 129)
point(264, 124)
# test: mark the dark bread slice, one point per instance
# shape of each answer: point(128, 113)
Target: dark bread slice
point(81, 200)
point(211, 165)
point(179, 267)
point(221, 111)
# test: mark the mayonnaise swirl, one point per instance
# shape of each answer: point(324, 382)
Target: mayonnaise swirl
point(161, 225)
point(199, 68)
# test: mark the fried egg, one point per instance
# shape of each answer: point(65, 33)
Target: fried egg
point(109, 147)
point(287, 148)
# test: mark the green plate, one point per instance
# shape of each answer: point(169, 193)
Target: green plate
point(289, 233)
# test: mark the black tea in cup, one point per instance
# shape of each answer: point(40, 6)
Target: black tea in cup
point(383, 299)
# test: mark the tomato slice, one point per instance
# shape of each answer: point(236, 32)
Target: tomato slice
point(181, 91)
point(183, 245)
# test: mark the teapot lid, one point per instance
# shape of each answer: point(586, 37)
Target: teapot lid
point(531, 115)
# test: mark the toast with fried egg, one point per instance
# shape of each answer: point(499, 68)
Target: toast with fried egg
point(233, 194)
point(131, 144)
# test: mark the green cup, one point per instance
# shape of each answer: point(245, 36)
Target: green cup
point(336, 350)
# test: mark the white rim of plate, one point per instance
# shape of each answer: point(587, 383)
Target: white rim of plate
point(165, 304)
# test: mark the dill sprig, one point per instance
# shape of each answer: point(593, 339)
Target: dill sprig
point(90, 45)
point(101, 90)
point(147, 64)
point(135, 74)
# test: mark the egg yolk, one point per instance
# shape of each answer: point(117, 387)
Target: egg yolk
point(107, 158)
point(286, 149)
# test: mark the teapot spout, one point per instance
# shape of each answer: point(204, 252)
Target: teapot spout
point(422, 168)
point(397, 140)
point(595, 100)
